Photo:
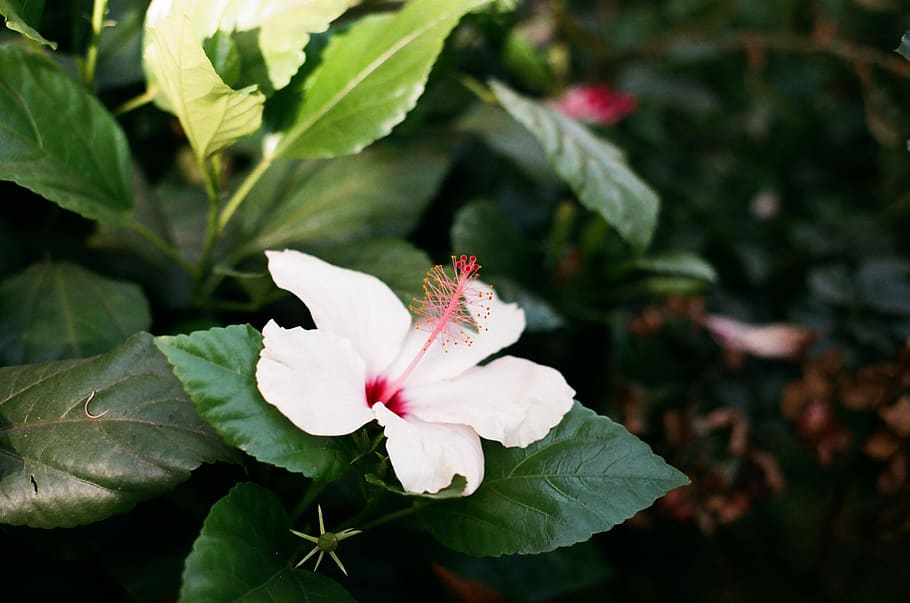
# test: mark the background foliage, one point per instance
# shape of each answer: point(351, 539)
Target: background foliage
point(774, 135)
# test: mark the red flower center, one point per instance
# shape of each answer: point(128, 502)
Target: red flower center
point(376, 387)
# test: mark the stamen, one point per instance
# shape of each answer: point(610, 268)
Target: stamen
point(445, 311)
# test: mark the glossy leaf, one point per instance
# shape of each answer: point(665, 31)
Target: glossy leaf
point(21, 15)
point(369, 78)
point(58, 141)
point(509, 138)
point(324, 202)
point(82, 440)
point(218, 370)
point(586, 476)
point(244, 554)
point(453, 490)
point(266, 37)
point(212, 114)
point(595, 169)
point(57, 311)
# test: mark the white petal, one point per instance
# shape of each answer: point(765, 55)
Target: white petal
point(354, 305)
point(315, 378)
point(427, 456)
point(511, 400)
point(502, 329)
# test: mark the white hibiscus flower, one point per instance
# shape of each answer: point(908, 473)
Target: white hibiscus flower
point(419, 378)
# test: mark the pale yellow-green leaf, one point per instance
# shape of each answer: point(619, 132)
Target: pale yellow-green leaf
point(212, 114)
point(369, 78)
point(271, 34)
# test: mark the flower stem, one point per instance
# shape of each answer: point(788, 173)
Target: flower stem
point(240, 194)
point(91, 54)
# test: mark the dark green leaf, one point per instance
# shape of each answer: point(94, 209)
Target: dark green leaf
point(481, 229)
point(22, 16)
point(884, 285)
point(177, 214)
point(244, 555)
point(532, 578)
point(507, 137)
point(57, 140)
point(677, 264)
point(369, 78)
point(82, 440)
point(221, 49)
point(58, 311)
point(655, 286)
point(586, 476)
point(539, 314)
point(218, 369)
point(595, 169)
point(120, 45)
point(380, 192)
point(180, 214)
point(832, 285)
point(397, 263)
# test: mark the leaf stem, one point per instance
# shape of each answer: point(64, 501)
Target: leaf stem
point(240, 194)
point(478, 89)
point(91, 54)
point(163, 246)
point(137, 101)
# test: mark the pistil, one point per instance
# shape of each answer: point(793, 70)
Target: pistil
point(445, 312)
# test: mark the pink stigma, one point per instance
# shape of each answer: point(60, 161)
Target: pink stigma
point(446, 311)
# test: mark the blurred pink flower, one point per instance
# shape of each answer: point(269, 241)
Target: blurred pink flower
point(596, 104)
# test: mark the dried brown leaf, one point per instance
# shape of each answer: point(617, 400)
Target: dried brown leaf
point(897, 416)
